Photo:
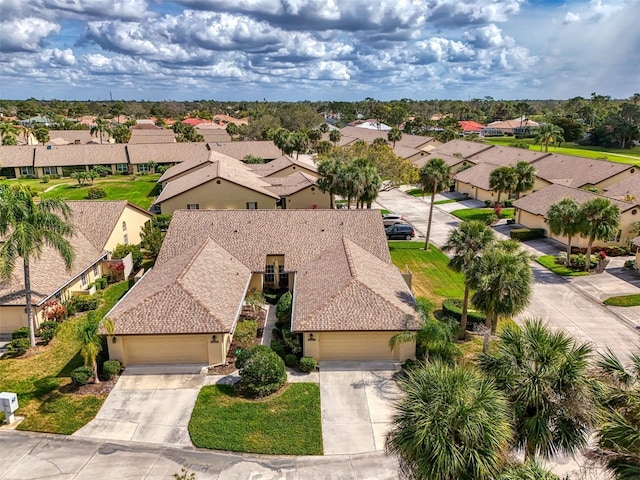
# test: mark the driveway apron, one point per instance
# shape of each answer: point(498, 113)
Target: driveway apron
point(149, 404)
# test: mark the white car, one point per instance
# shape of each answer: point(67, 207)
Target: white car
point(392, 219)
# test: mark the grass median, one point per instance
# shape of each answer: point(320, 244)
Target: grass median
point(549, 261)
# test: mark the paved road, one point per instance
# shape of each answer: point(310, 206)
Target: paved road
point(555, 299)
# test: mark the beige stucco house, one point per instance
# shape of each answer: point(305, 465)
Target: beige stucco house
point(100, 226)
point(348, 297)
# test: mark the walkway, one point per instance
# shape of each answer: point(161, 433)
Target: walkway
point(562, 303)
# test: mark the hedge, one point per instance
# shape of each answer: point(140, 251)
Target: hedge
point(523, 234)
point(452, 307)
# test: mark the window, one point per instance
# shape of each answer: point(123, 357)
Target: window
point(49, 170)
point(284, 277)
point(126, 239)
point(193, 206)
point(143, 168)
point(122, 168)
point(252, 205)
point(27, 171)
point(95, 270)
point(269, 274)
point(124, 226)
point(83, 279)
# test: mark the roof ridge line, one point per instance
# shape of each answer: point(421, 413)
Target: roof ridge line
point(350, 262)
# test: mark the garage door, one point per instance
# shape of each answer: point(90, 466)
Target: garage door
point(356, 346)
point(161, 349)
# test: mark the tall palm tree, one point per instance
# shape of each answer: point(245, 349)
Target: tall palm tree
point(467, 243)
point(88, 334)
point(371, 183)
point(544, 375)
point(102, 127)
point(451, 423)
point(334, 136)
point(330, 171)
point(529, 470)
point(9, 133)
point(352, 183)
point(549, 133)
point(503, 179)
point(26, 228)
point(618, 432)
point(394, 135)
point(314, 137)
point(525, 178)
point(502, 279)
point(435, 176)
point(599, 220)
point(435, 336)
point(563, 219)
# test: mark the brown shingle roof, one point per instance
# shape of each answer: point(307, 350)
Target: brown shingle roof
point(70, 137)
point(167, 152)
point(576, 171)
point(627, 188)
point(198, 291)
point(238, 150)
point(279, 164)
point(192, 164)
point(142, 136)
point(369, 135)
point(462, 147)
point(16, 156)
point(290, 184)
point(450, 160)
point(506, 155)
point(477, 176)
point(214, 136)
point(75, 155)
point(538, 203)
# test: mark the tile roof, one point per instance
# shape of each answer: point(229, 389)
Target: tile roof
point(198, 291)
point(73, 155)
point(462, 147)
point(369, 135)
point(16, 156)
point(348, 288)
point(514, 123)
point(238, 150)
point(283, 186)
point(538, 203)
point(167, 152)
point(470, 126)
point(279, 164)
point(506, 155)
point(477, 176)
point(576, 171)
point(627, 188)
point(220, 167)
point(98, 219)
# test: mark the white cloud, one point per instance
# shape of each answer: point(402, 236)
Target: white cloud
point(25, 34)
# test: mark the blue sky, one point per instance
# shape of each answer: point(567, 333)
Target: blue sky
point(318, 49)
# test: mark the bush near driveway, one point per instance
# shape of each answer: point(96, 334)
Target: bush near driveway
point(263, 373)
point(285, 424)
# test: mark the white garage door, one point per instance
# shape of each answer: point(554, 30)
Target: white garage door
point(356, 346)
point(163, 349)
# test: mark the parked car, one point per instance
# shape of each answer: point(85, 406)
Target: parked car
point(400, 231)
point(391, 219)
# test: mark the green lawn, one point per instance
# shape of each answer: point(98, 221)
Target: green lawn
point(623, 301)
point(36, 184)
point(287, 423)
point(549, 261)
point(141, 191)
point(41, 381)
point(432, 278)
point(480, 213)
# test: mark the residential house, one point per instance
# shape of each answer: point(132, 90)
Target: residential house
point(298, 190)
point(627, 189)
point(282, 167)
point(145, 133)
point(513, 126)
point(470, 127)
point(166, 154)
point(348, 297)
point(266, 150)
point(17, 161)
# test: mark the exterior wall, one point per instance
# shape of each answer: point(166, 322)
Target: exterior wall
point(135, 220)
point(293, 169)
point(355, 346)
point(538, 185)
point(307, 198)
point(478, 193)
point(76, 285)
point(162, 349)
point(616, 178)
point(256, 282)
point(14, 317)
point(222, 196)
point(466, 188)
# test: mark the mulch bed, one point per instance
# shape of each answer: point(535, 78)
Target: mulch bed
point(102, 388)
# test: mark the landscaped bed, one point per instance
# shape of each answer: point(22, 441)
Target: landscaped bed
point(41, 379)
point(286, 423)
point(482, 214)
point(623, 301)
point(549, 261)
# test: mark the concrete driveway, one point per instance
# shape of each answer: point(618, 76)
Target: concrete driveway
point(356, 400)
point(149, 404)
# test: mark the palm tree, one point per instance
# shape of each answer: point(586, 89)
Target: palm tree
point(435, 176)
point(599, 220)
point(9, 133)
point(451, 423)
point(563, 219)
point(467, 243)
point(352, 182)
point(549, 133)
point(88, 334)
point(525, 178)
point(618, 433)
point(314, 137)
point(503, 179)
point(371, 183)
point(334, 136)
point(101, 127)
point(435, 336)
point(330, 171)
point(544, 375)
point(529, 470)
point(27, 227)
point(501, 278)
point(42, 135)
point(394, 135)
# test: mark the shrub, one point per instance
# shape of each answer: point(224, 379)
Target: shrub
point(47, 331)
point(410, 363)
point(55, 176)
point(523, 234)
point(54, 311)
point(81, 375)
point(246, 332)
point(110, 369)
point(452, 307)
point(22, 332)
point(245, 354)
point(508, 203)
point(84, 303)
point(29, 177)
point(579, 261)
point(491, 218)
point(291, 341)
point(263, 374)
point(631, 264)
point(45, 179)
point(95, 193)
point(283, 308)
point(278, 347)
point(488, 203)
point(18, 347)
point(308, 364)
point(102, 281)
point(290, 360)
point(122, 251)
